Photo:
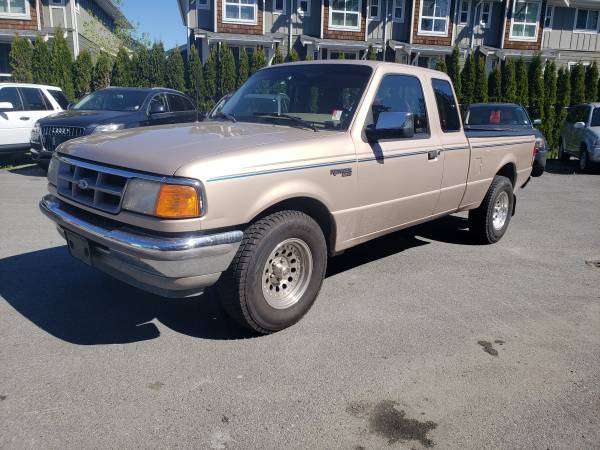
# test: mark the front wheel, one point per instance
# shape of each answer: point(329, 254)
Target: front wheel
point(584, 162)
point(489, 222)
point(562, 153)
point(277, 272)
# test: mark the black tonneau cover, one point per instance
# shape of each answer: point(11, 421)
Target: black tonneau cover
point(488, 132)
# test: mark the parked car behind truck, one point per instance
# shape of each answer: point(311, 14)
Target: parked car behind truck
point(580, 136)
point(255, 201)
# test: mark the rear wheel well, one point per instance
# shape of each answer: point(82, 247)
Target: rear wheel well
point(509, 171)
point(313, 208)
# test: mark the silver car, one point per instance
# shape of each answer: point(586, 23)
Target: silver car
point(580, 136)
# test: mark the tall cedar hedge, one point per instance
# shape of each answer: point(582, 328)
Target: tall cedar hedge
point(158, 63)
point(210, 78)
point(175, 71)
point(454, 70)
point(62, 64)
point(122, 71)
point(591, 82)
point(467, 80)
point(82, 74)
point(141, 68)
point(509, 81)
point(563, 99)
point(578, 84)
point(550, 119)
point(495, 85)
point(41, 62)
point(480, 95)
point(259, 60)
point(20, 57)
point(227, 78)
point(102, 72)
point(195, 80)
point(243, 68)
point(278, 56)
point(536, 88)
point(522, 82)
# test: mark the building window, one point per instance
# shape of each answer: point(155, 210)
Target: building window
point(374, 9)
point(548, 18)
point(465, 12)
point(338, 54)
point(279, 6)
point(345, 15)
point(525, 19)
point(586, 21)
point(429, 62)
point(240, 11)
point(304, 8)
point(398, 12)
point(485, 16)
point(14, 8)
point(203, 4)
point(433, 17)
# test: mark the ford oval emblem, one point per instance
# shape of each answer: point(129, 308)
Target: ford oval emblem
point(83, 185)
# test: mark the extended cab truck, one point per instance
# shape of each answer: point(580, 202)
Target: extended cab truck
point(256, 199)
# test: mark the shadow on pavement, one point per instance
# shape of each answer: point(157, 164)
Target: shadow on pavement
point(32, 170)
point(81, 305)
point(570, 167)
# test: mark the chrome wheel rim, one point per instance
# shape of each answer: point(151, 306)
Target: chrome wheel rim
point(500, 211)
point(287, 273)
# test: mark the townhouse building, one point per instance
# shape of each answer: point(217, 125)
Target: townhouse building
point(408, 31)
point(87, 24)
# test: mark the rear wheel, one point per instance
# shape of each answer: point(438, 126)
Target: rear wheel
point(489, 222)
point(277, 272)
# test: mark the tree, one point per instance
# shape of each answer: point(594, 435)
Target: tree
point(293, 55)
point(371, 54)
point(102, 72)
point(195, 80)
point(62, 64)
point(210, 78)
point(509, 81)
point(122, 69)
point(278, 58)
point(82, 74)
point(550, 103)
point(20, 57)
point(441, 65)
point(41, 62)
point(467, 79)
point(158, 63)
point(495, 85)
point(591, 82)
point(536, 88)
point(175, 72)
point(480, 94)
point(454, 70)
point(259, 60)
point(140, 75)
point(309, 56)
point(243, 68)
point(227, 74)
point(563, 100)
point(578, 84)
point(522, 83)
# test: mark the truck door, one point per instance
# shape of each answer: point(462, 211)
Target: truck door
point(399, 178)
point(455, 147)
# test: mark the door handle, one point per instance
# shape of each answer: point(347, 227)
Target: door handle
point(24, 118)
point(433, 154)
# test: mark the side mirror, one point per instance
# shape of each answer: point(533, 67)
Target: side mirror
point(537, 122)
point(157, 108)
point(70, 106)
point(392, 125)
point(6, 106)
point(579, 125)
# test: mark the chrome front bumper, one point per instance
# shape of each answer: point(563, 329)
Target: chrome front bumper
point(179, 266)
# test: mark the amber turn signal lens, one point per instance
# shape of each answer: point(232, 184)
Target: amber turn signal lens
point(177, 202)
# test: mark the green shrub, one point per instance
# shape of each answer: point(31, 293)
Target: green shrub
point(536, 89)
point(243, 68)
point(41, 62)
point(480, 94)
point(102, 72)
point(278, 57)
point(454, 70)
point(495, 85)
point(549, 123)
point(591, 82)
point(122, 69)
point(157, 63)
point(509, 81)
point(82, 74)
point(62, 64)
point(195, 80)
point(20, 57)
point(522, 83)
point(467, 79)
point(175, 71)
point(578, 84)
point(227, 75)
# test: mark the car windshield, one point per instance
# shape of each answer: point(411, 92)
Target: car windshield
point(322, 95)
point(595, 118)
point(497, 115)
point(112, 100)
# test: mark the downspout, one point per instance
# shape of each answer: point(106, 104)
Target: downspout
point(37, 13)
point(385, 20)
point(215, 14)
point(75, 29)
point(474, 22)
point(412, 22)
point(454, 26)
point(322, 18)
point(504, 24)
point(291, 24)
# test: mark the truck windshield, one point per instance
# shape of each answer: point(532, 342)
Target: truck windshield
point(497, 115)
point(322, 95)
point(112, 100)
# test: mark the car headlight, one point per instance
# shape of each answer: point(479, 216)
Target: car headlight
point(108, 127)
point(168, 201)
point(36, 133)
point(53, 171)
point(540, 144)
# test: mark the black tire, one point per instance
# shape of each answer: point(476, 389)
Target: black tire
point(241, 286)
point(562, 154)
point(537, 171)
point(481, 220)
point(584, 161)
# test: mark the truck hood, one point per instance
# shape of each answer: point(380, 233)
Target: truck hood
point(163, 149)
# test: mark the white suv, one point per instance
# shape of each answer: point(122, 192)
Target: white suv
point(21, 106)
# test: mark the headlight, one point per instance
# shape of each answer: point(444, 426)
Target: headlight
point(108, 127)
point(540, 144)
point(53, 171)
point(36, 133)
point(168, 201)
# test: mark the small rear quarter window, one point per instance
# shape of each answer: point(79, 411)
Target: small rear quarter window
point(59, 97)
point(446, 104)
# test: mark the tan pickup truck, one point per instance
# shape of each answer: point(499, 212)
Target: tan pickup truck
point(304, 161)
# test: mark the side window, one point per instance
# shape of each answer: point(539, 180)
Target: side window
point(60, 98)
point(189, 106)
point(33, 100)
point(177, 103)
point(446, 104)
point(11, 95)
point(402, 93)
point(159, 99)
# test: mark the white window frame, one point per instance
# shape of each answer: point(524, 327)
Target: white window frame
point(345, 52)
point(537, 22)
point(239, 4)
point(57, 2)
point(11, 15)
point(489, 21)
point(585, 31)
point(206, 5)
point(461, 11)
point(434, 33)
point(370, 4)
point(308, 6)
point(345, 12)
point(402, 4)
point(279, 11)
point(550, 17)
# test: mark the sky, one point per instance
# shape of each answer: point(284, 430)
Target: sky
point(162, 23)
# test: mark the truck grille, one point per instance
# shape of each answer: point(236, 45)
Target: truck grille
point(94, 187)
point(53, 136)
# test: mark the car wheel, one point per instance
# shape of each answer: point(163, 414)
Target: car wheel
point(489, 222)
point(562, 154)
point(277, 272)
point(584, 163)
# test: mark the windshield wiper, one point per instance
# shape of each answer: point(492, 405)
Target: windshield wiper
point(224, 115)
point(300, 121)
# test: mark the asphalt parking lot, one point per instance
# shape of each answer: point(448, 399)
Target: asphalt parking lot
point(418, 339)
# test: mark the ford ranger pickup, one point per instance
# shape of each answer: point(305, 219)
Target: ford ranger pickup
point(304, 161)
